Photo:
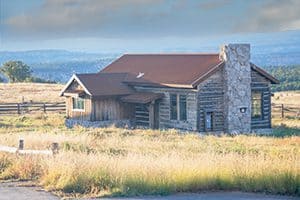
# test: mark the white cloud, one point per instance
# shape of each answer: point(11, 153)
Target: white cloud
point(274, 15)
point(117, 19)
point(121, 19)
point(59, 17)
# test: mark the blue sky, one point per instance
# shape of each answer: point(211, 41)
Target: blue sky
point(137, 25)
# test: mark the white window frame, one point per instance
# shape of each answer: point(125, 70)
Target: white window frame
point(78, 109)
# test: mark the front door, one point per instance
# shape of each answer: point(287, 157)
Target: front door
point(208, 121)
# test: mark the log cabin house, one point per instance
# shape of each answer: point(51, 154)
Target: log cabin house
point(222, 92)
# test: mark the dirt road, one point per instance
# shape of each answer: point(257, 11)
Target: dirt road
point(18, 191)
point(21, 191)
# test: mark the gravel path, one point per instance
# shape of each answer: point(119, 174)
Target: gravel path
point(19, 191)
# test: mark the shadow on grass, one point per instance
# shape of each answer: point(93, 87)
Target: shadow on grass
point(283, 131)
point(3, 125)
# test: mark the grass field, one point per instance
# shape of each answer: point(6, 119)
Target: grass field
point(290, 97)
point(37, 92)
point(112, 161)
point(115, 161)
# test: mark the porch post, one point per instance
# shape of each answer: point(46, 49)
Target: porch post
point(151, 115)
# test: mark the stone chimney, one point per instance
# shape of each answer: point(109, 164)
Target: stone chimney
point(237, 87)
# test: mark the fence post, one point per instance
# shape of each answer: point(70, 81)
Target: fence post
point(18, 106)
point(54, 148)
point(21, 144)
point(44, 107)
point(282, 111)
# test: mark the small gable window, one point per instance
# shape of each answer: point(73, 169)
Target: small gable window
point(256, 104)
point(78, 103)
point(178, 107)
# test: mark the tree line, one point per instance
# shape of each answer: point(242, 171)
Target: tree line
point(17, 71)
point(289, 77)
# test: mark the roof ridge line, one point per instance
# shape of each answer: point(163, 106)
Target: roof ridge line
point(176, 53)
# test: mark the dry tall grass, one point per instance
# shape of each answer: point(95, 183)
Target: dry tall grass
point(115, 161)
point(287, 97)
point(37, 92)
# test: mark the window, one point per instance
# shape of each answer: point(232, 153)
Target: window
point(78, 103)
point(256, 104)
point(178, 107)
point(173, 106)
point(182, 103)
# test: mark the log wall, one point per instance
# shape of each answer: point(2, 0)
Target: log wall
point(211, 99)
point(165, 121)
point(260, 83)
point(142, 117)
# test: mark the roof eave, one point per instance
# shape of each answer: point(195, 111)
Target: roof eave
point(132, 83)
point(262, 72)
point(143, 101)
point(74, 77)
point(109, 95)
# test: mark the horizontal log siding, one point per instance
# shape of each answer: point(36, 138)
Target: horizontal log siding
point(211, 99)
point(260, 83)
point(142, 115)
point(78, 114)
point(111, 109)
point(164, 108)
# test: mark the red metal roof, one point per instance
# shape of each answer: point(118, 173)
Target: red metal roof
point(176, 70)
point(102, 84)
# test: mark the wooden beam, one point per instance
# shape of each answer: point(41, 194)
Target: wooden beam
point(151, 114)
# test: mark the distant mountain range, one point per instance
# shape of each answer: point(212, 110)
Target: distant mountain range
point(267, 49)
point(59, 65)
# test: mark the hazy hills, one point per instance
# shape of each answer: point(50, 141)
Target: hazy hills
point(59, 65)
point(267, 49)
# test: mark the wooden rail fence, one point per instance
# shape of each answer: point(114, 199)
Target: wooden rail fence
point(285, 111)
point(278, 110)
point(28, 107)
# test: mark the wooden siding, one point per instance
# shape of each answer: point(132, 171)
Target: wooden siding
point(111, 109)
point(211, 99)
point(164, 108)
point(74, 86)
point(79, 114)
point(260, 83)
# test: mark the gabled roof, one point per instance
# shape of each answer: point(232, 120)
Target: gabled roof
point(265, 74)
point(101, 84)
point(174, 70)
